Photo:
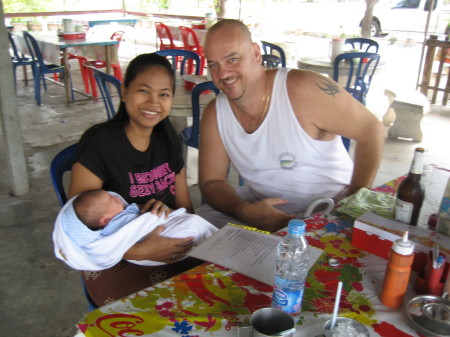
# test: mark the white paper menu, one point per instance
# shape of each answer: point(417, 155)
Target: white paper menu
point(246, 251)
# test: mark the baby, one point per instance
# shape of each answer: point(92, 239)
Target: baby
point(95, 229)
point(103, 213)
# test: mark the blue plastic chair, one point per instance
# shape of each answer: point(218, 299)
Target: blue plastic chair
point(41, 68)
point(190, 135)
point(18, 61)
point(61, 164)
point(363, 44)
point(273, 49)
point(103, 80)
point(270, 61)
point(181, 56)
point(361, 67)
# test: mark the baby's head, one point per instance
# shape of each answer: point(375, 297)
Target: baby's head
point(95, 208)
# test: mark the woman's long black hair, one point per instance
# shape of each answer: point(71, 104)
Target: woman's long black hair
point(165, 129)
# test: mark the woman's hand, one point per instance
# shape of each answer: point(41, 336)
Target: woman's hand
point(156, 207)
point(160, 248)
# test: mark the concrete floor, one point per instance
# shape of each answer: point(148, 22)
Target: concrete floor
point(39, 295)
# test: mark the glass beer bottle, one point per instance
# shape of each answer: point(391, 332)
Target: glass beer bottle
point(410, 193)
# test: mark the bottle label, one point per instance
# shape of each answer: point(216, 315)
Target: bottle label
point(417, 163)
point(289, 301)
point(403, 211)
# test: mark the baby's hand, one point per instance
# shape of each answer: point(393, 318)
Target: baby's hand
point(156, 207)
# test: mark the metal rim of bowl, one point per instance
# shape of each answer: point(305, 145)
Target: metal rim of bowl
point(425, 299)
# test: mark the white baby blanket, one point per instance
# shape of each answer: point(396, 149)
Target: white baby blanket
point(109, 250)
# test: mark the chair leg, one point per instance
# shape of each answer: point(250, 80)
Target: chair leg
point(25, 75)
point(37, 86)
point(202, 65)
point(92, 81)
point(117, 72)
point(84, 74)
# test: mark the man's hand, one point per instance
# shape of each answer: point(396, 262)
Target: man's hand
point(263, 215)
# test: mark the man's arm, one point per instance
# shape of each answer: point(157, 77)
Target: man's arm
point(325, 109)
point(213, 170)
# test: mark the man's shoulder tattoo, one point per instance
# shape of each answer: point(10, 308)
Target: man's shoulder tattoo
point(328, 87)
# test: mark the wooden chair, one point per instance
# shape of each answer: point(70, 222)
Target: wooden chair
point(102, 64)
point(191, 42)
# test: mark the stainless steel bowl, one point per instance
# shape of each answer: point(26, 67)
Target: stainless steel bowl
point(429, 315)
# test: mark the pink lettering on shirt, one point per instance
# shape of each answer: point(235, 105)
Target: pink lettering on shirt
point(154, 181)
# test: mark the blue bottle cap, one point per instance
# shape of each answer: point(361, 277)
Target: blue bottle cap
point(296, 227)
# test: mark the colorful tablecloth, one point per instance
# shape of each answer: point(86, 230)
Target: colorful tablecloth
point(211, 300)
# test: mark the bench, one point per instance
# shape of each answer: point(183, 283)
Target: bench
point(405, 114)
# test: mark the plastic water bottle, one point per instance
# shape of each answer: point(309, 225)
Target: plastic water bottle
point(291, 270)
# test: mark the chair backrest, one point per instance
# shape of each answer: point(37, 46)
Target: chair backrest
point(363, 44)
point(117, 35)
point(33, 48)
point(103, 80)
point(359, 68)
point(270, 61)
point(183, 56)
point(195, 98)
point(190, 39)
point(273, 49)
point(165, 36)
point(60, 164)
point(13, 46)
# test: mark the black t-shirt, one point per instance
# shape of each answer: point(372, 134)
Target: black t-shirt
point(137, 176)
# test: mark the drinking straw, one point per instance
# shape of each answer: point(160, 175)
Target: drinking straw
point(336, 305)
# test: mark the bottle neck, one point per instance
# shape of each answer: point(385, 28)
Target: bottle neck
point(414, 176)
point(416, 169)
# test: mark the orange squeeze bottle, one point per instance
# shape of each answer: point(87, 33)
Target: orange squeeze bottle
point(398, 271)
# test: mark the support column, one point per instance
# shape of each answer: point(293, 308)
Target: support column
point(12, 134)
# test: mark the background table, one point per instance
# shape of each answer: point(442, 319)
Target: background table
point(323, 65)
point(211, 300)
point(51, 47)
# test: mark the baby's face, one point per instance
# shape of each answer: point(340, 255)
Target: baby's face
point(113, 205)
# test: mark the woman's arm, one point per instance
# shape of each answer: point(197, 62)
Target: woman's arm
point(82, 179)
point(159, 248)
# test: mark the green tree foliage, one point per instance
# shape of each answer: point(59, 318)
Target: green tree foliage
point(14, 6)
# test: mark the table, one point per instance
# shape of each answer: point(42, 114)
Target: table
point(51, 47)
point(211, 300)
point(323, 65)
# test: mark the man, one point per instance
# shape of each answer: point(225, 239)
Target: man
point(280, 129)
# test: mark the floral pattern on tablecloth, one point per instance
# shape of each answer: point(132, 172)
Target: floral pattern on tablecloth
point(211, 300)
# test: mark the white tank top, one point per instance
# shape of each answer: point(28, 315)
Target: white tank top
point(279, 159)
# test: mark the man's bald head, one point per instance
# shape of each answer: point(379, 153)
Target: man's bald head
point(229, 25)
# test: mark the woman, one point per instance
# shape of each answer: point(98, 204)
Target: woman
point(138, 155)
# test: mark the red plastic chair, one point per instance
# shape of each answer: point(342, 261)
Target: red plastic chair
point(165, 37)
point(102, 64)
point(191, 42)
